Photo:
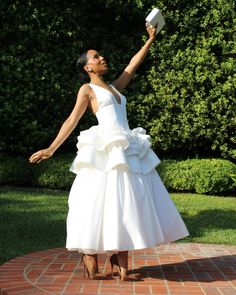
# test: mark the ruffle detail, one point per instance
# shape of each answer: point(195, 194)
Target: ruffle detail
point(107, 149)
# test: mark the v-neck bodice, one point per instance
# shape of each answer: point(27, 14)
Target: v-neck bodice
point(109, 91)
point(110, 112)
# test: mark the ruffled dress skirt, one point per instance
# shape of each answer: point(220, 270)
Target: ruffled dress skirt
point(117, 201)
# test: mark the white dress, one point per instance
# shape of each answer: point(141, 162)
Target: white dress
point(117, 201)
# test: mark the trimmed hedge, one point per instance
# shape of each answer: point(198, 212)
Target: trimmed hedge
point(53, 173)
point(15, 171)
point(184, 92)
point(204, 176)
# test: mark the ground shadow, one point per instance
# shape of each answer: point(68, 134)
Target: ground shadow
point(212, 218)
point(221, 268)
point(210, 224)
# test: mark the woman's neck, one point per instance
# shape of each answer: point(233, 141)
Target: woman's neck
point(97, 79)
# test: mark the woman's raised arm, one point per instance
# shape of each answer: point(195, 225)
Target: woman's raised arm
point(135, 62)
point(67, 127)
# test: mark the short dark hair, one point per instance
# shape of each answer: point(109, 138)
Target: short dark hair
point(80, 63)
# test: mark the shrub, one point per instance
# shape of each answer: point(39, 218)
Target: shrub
point(54, 173)
point(15, 171)
point(184, 93)
point(203, 176)
point(169, 171)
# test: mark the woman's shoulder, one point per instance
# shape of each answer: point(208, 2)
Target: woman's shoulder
point(85, 88)
point(84, 91)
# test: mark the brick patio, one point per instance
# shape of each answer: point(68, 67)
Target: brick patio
point(176, 268)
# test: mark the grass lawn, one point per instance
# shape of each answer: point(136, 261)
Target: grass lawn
point(33, 220)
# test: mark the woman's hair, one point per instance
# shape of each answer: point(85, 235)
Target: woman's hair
point(81, 62)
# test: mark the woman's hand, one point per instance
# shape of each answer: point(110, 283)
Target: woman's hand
point(40, 155)
point(151, 32)
point(124, 79)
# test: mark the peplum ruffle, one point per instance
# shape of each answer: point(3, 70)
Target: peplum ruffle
point(109, 148)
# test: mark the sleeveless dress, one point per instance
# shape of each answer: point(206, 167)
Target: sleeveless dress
point(117, 201)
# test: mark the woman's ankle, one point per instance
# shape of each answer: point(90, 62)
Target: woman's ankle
point(92, 264)
point(122, 257)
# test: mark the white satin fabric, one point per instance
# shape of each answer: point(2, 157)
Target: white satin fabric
point(118, 201)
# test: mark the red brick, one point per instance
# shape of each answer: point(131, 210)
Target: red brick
point(228, 291)
point(174, 260)
point(159, 289)
point(142, 289)
point(70, 289)
point(114, 291)
point(90, 288)
point(212, 291)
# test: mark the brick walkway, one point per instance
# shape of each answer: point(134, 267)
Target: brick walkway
point(176, 268)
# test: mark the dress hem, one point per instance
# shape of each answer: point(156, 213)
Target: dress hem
point(129, 249)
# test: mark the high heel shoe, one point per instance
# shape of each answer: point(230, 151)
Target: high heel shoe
point(114, 263)
point(122, 271)
point(91, 267)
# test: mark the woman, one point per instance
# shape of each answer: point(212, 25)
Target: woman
point(117, 201)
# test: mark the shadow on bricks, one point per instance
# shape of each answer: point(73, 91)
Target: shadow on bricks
point(221, 268)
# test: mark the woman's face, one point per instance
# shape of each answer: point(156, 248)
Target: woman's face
point(96, 62)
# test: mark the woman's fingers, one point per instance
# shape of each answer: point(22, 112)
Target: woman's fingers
point(152, 33)
point(33, 158)
point(38, 157)
point(151, 30)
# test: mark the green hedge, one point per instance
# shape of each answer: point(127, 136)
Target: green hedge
point(15, 171)
point(204, 176)
point(53, 173)
point(184, 92)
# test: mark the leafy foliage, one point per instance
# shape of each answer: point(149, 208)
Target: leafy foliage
point(190, 100)
point(204, 176)
point(184, 93)
point(54, 173)
point(15, 171)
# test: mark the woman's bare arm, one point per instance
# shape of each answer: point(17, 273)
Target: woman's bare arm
point(135, 62)
point(67, 127)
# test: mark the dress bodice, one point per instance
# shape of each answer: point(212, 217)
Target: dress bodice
point(111, 113)
point(111, 143)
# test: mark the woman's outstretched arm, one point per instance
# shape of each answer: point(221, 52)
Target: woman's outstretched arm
point(67, 127)
point(135, 62)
